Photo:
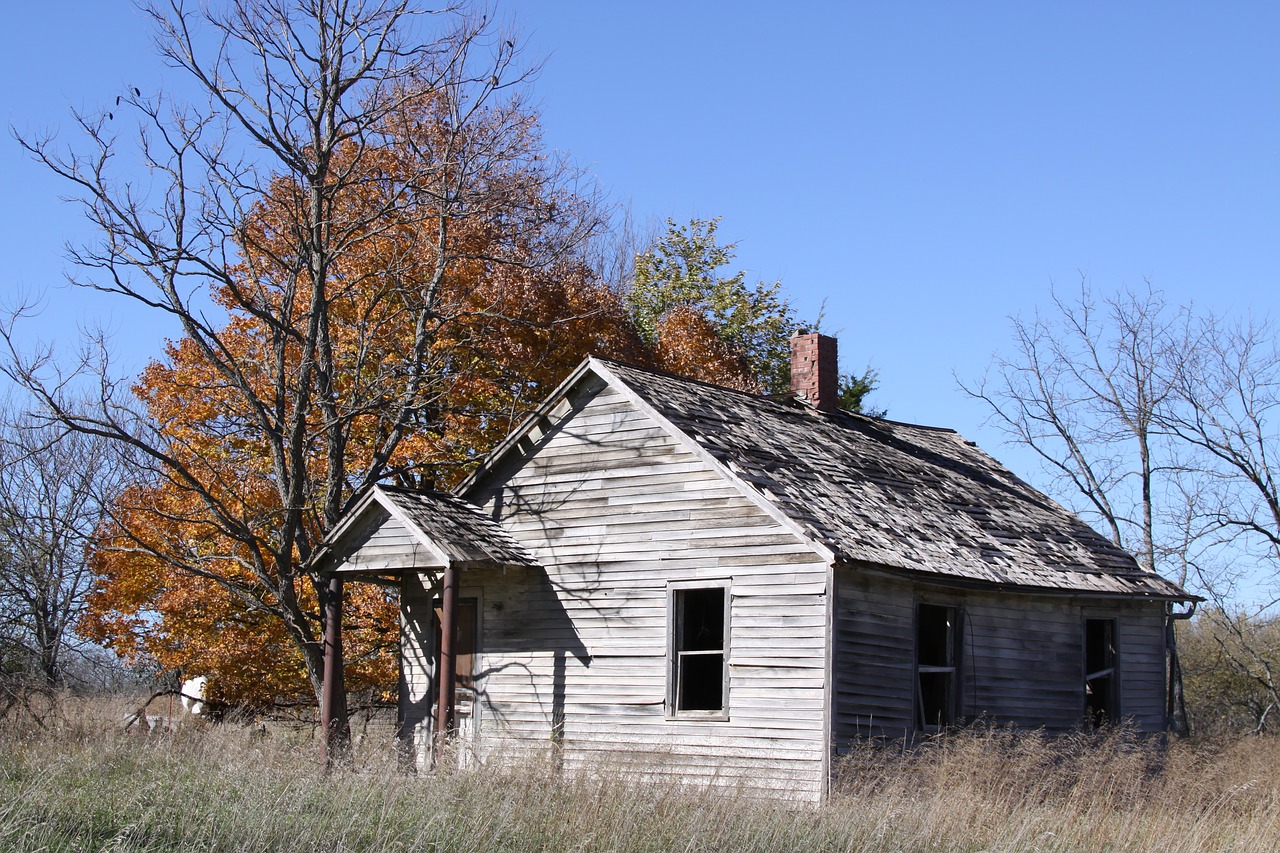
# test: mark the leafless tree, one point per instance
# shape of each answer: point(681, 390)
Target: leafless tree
point(54, 485)
point(1164, 421)
point(301, 99)
point(1225, 419)
point(1083, 389)
point(1226, 416)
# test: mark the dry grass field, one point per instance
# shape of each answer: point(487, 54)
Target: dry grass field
point(79, 783)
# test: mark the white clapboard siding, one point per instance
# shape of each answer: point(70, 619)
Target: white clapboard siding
point(383, 543)
point(417, 649)
point(575, 658)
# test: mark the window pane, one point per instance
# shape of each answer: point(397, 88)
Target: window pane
point(936, 640)
point(702, 620)
point(698, 663)
point(1099, 650)
point(935, 699)
point(701, 682)
point(1099, 669)
point(934, 635)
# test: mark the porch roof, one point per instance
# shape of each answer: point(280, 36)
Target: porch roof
point(393, 529)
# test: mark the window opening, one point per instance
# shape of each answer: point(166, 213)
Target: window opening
point(1100, 671)
point(936, 647)
point(698, 649)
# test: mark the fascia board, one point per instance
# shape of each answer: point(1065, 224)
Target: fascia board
point(351, 519)
point(499, 452)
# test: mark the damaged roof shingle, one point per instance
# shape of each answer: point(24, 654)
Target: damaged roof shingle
point(919, 499)
point(458, 528)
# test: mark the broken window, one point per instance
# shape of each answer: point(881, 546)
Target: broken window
point(1100, 705)
point(698, 679)
point(937, 644)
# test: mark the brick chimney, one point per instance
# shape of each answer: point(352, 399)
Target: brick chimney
point(815, 378)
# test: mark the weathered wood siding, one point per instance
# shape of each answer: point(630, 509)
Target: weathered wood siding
point(873, 662)
point(1023, 661)
point(1021, 657)
point(417, 657)
point(575, 658)
point(382, 543)
point(1143, 676)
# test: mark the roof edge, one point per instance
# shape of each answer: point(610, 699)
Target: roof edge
point(751, 494)
point(601, 368)
point(502, 448)
point(351, 519)
point(959, 582)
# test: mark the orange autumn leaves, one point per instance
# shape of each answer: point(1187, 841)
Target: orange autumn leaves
point(442, 320)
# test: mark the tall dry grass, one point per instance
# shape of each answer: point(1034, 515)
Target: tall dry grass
point(79, 783)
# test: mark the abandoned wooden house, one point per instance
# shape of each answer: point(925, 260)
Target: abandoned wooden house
point(736, 588)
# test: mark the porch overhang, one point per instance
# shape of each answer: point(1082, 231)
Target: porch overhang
point(390, 531)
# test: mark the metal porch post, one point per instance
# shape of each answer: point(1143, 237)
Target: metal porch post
point(333, 694)
point(447, 665)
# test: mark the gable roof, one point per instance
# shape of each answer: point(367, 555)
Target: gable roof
point(865, 490)
point(444, 530)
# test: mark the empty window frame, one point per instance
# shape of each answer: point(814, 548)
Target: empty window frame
point(698, 671)
point(937, 651)
point(1101, 698)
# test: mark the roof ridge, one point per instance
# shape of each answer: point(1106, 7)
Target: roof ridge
point(787, 399)
point(666, 374)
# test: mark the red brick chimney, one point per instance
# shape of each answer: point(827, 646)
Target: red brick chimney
point(815, 377)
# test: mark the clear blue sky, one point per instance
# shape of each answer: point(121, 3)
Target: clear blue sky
point(925, 168)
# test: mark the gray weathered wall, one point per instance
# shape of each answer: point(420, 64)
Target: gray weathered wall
point(1021, 656)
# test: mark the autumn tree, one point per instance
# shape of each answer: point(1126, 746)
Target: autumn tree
point(373, 267)
point(680, 304)
point(513, 332)
point(317, 230)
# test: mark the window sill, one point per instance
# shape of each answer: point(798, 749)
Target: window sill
point(697, 717)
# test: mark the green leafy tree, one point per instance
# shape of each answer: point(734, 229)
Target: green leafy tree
point(680, 273)
point(679, 292)
point(678, 279)
point(854, 390)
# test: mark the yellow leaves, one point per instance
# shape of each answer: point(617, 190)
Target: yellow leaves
point(149, 610)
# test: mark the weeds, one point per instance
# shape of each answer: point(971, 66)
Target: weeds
point(79, 783)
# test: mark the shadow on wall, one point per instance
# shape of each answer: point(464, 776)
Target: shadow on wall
point(524, 627)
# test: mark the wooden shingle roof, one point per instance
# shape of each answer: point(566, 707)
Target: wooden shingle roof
point(912, 498)
point(391, 529)
point(458, 528)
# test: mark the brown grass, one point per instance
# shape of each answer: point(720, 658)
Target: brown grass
point(79, 783)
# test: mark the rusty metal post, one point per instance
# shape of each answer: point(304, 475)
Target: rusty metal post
point(333, 693)
point(447, 664)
